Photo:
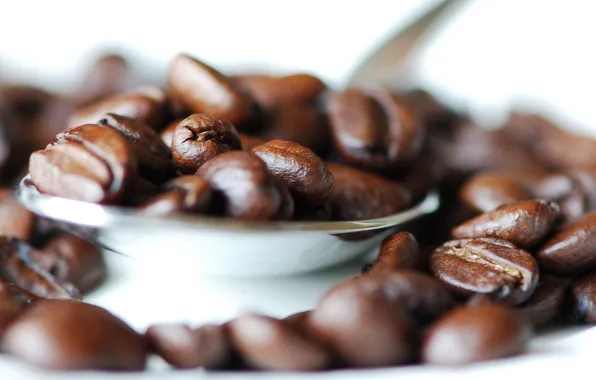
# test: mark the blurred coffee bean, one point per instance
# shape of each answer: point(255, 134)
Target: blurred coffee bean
point(437, 117)
point(527, 128)
point(490, 266)
point(71, 335)
point(398, 251)
point(546, 302)
point(485, 192)
point(199, 138)
point(243, 188)
point(581, 299)
point(304, 173)
point(374, 130)
point(271, 344)
point(573, 249)
point(183, 347)
point(248, 142)
point(15, 220)
point(183, 194)
point(424, 174)
point(200, 88)
point(358, 195)
point(473, 334)
point(107, 76)
point(167, 134)
point(523, 223)
point(585, 179)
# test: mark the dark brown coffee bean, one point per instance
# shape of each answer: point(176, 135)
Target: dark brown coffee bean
point(486, 191)
point(199, 138)
point(71, 335)
point(72, 259)
point(243, 187)
point(398, 251)
point(376, 131)
point(167, 135)
point(272, 344)
point(307, 211)
point(486, 265)
point(15, 220)
point(249, 142)
point(572, 250)
point(425, 173)
point(273, 92)
point(357, 195)
point(146, 104)
point(202, 89)
point(107, 76)
point(153, 156)
point(581, 299)
point(183, 194)
point(18, 265)
point(435, 115)
point(546, 302)
point(286, 204)
point(523, 223)
point(305, 174)
point(182, 347)
point(473, 334)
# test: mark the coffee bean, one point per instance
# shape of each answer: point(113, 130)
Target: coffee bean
point(183, 347)
point(303, 172)
point(153, 156)
point(435, 115)
point(202, 89)
point(271, 344)
point(286, 204)
point(106, 77)
point(167, 135)
point(199, 138)
point(571, 251)
point(473, 334)
point(581, 299)
point(376, 131)
point(546, 302)
point(15, 220)
point(398, 251)
point(488, 266)
point(248, 142)
point(486, 191)
point(273, 92)
point(524, 223)
point(71, 335)
point(358, 195)
point(243, 188)
point(183, 194)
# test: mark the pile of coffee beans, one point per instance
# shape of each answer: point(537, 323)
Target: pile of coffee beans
point(511, 249)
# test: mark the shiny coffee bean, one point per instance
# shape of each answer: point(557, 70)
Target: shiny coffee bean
point(546, 302)
point(398, 251)
point(581, 299)
point(376, 131)
point(473, 334)
point(200, 88)
point(358, 195)
point(273, 92)
point(199, 138)
point(167, 134)
point(146, 104)
point(153, 156)
point(524, 223)
point(183, 194)
point(303, 172)
point(490, 266)
point(72, 259)
point(485, 192)
point(106, 77)
point(243, 188)
point(71, 335)
point(573, 249)
point(15, 220)
point(183, 347)
point(271, 344)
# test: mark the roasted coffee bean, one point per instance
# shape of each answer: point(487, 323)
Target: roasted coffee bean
point(358, 195)
point(199, 138)
point(524, 223)
point(425, 173)
point(273, 92)
point(573, 249)
point(15, 220)
point(72, 259)
point(473, 334)
point(146, 104)
point(435, 115)
point(398, 251)
point(183, 194)
point(486, 191)
point(303, 172)
point(243, 188)
point(546, 302)
point(306, 211)
point(581, 299)
point(488, 266)
point(18, 265)
point(183, 347)
point(286, 204)
point(71, 335)
point(272, 344)
point(106, 77)
point(200, 88)
point(376, 131)
point(153, 156)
